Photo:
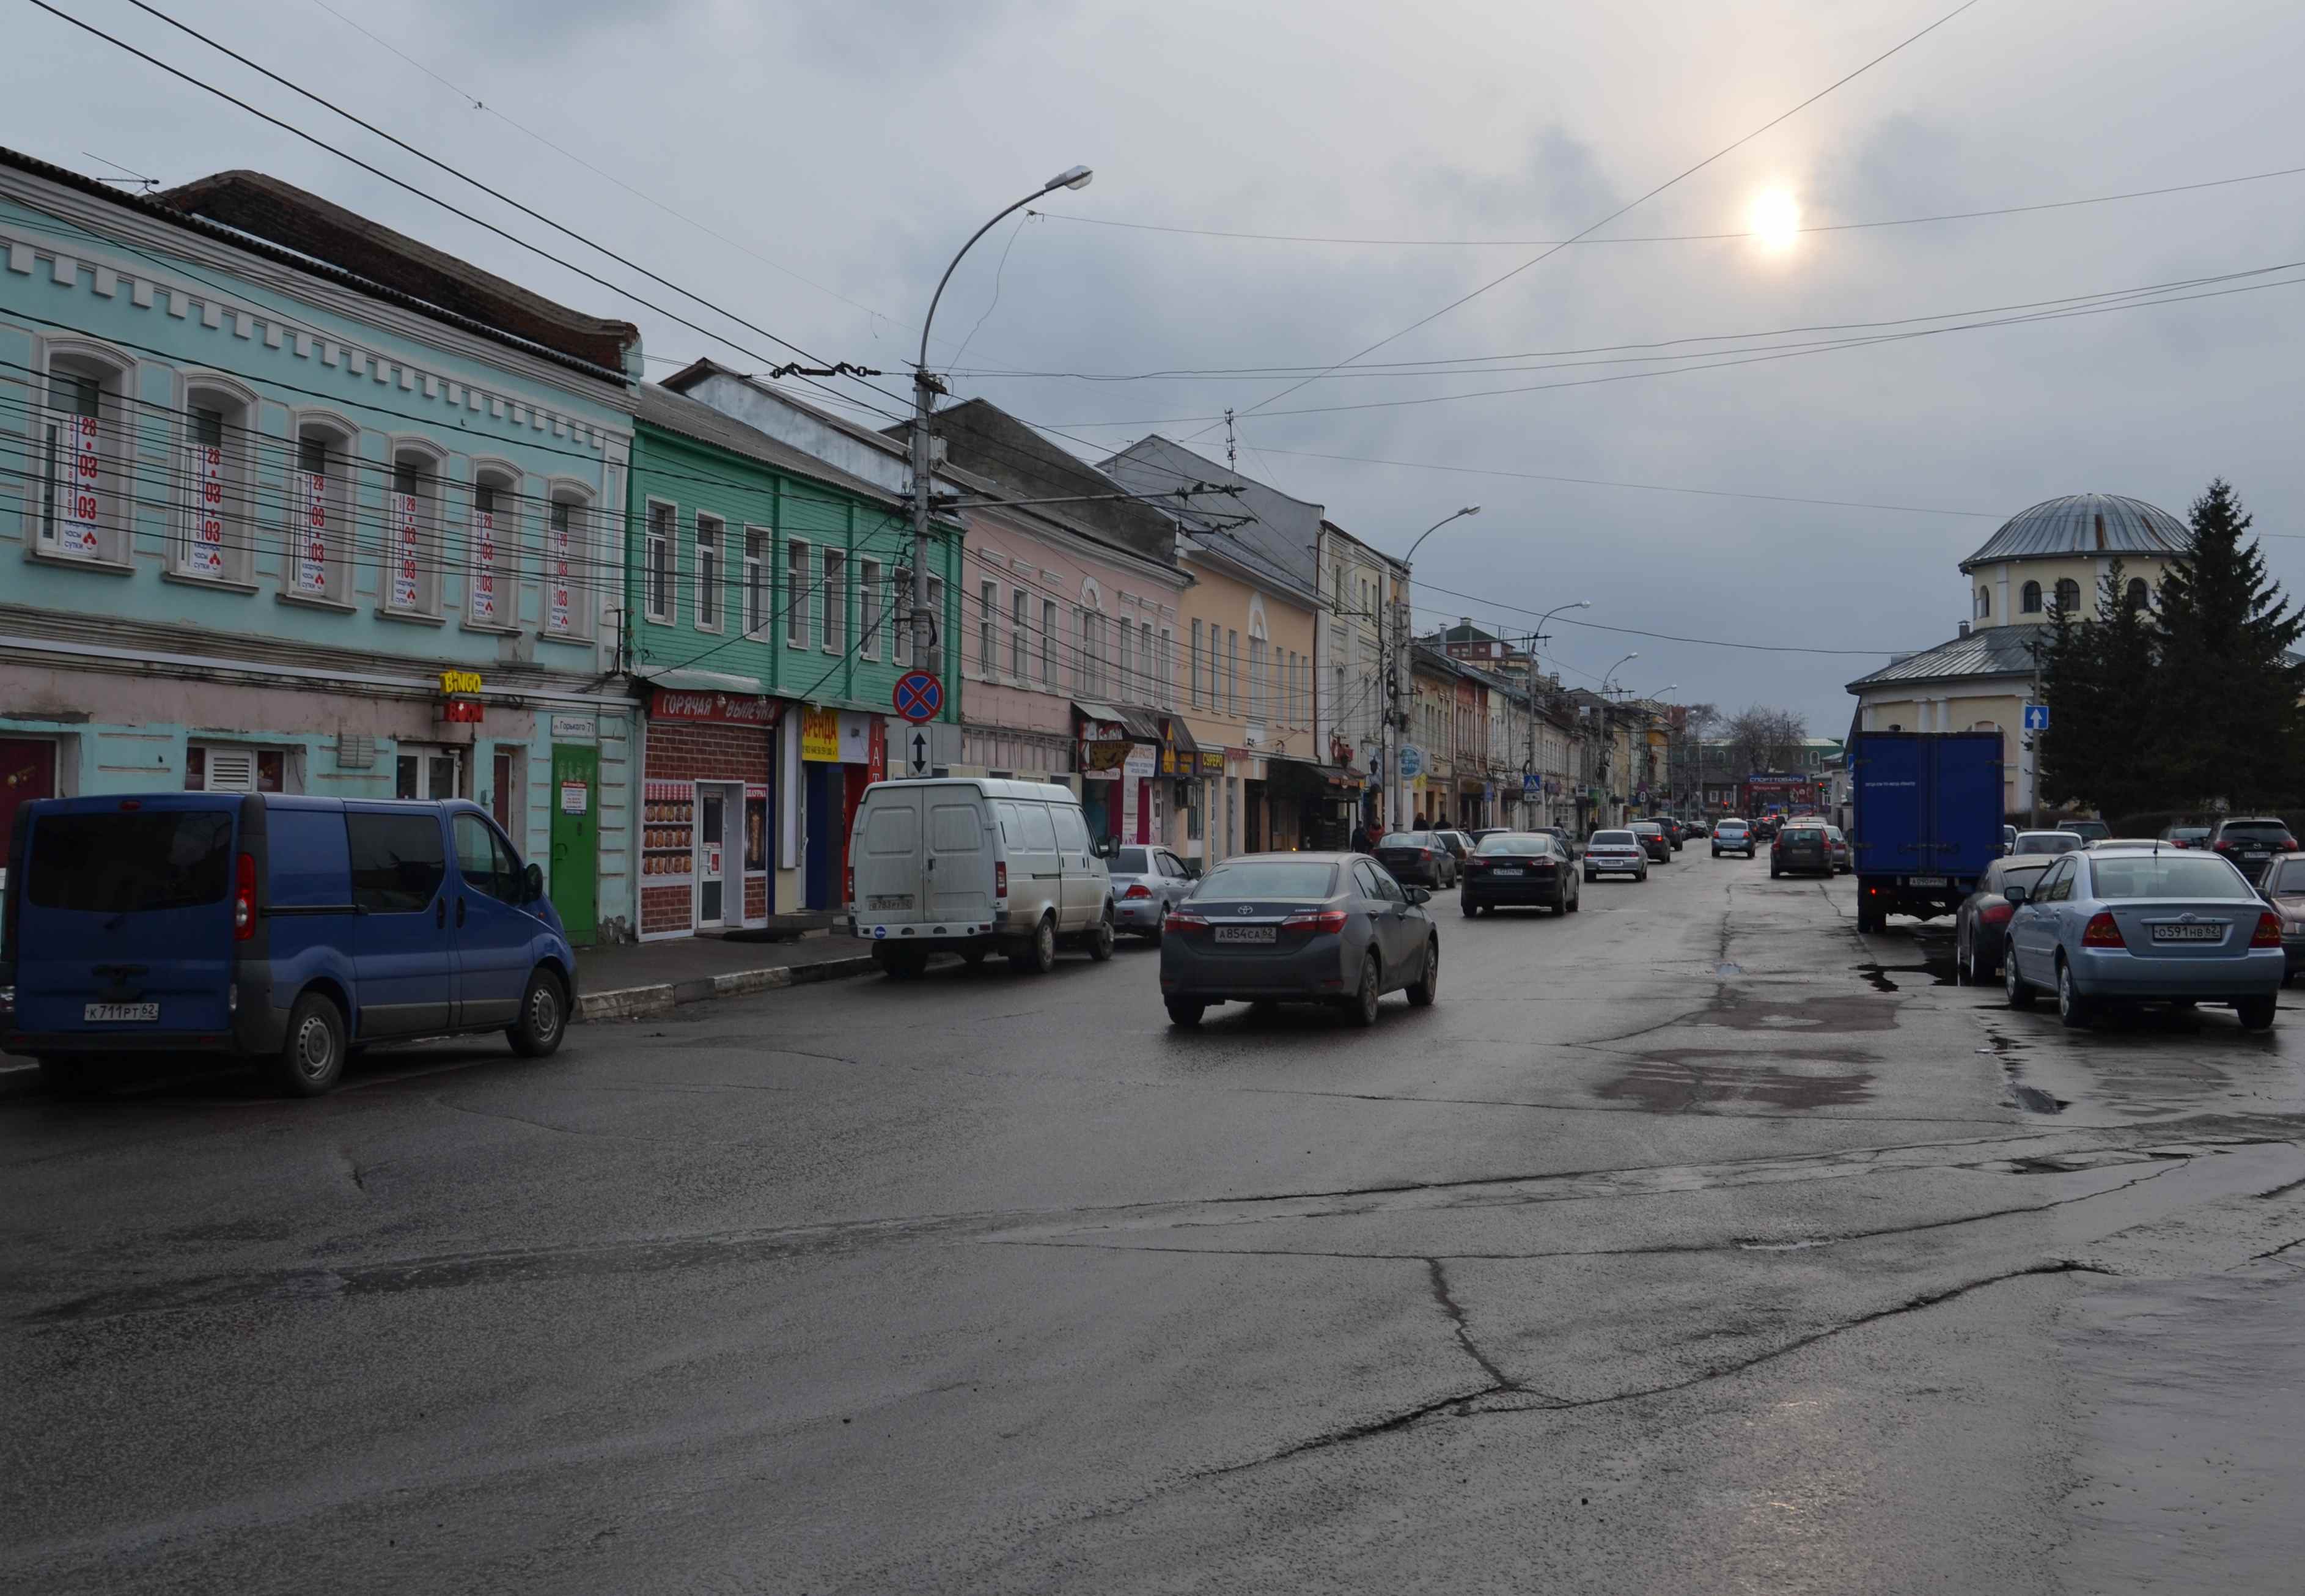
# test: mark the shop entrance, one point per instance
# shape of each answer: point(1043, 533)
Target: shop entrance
point(719, 895)
point(28, 770)
point(575, 855)
point(428, 773)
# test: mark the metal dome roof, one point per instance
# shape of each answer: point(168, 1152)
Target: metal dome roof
point(2085, 523)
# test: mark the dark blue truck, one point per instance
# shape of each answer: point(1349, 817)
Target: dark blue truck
point(1926, 820)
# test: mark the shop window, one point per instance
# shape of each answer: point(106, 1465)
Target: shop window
point(412, 536)
point(872, 608)
point(491, 564)
point(836, 602)
point(428, 773)
point(214, 541)
point(800, 592)
point(656, 563)
point(570, 557)
point(708, 573)
point(209, 768)
point(319, 513)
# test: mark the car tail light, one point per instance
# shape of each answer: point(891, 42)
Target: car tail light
point(1000, 878)
point(2102, 932)
point(1318, 920)
point(2222, 846)
point(244, 899)
point(2289, 845)
point(2268, 932)
point(1996, 913)
point(1424, 852)
point(1138, 891)
point(1183, 920)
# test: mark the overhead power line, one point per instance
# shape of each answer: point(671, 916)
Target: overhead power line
point(1643, 200)
point(1670, 238)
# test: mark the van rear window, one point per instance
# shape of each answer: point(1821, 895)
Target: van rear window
point(116, 864)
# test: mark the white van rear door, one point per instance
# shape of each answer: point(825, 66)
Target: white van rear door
point(959, 875)
point(887, 858)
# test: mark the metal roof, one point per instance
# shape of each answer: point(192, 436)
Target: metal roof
point(676, 412)
point(1987, 651)
point(2084, 524)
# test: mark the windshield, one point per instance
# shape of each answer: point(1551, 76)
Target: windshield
point(1408, 839)
point(1609, 839)
point(1506, 843)
point(1132, 861)
point(2169, 876)
point(1278, 878)
point(2047, 842)
point(2018, 875)
point(114, 863)
point(2091, 829)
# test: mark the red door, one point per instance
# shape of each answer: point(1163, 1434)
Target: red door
point(28, 770)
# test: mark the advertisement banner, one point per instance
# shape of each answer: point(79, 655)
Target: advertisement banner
point(313, 524)
point(719, 708)
point(484, 566)
point(83, 496)
point(820, 735)
point(559, 612)
point(206, 557)
point(404, 554)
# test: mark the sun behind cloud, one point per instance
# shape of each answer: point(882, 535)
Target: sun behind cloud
point(1775, 218)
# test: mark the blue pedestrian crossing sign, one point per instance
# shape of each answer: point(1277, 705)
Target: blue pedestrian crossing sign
point(918, 696)
point(2036, 717)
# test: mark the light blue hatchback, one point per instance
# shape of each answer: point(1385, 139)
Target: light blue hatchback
point(2144, 925)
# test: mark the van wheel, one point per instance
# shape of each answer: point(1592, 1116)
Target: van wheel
point(543, 1017)
point(1038, 956)
point(1100, 940)
point(1184, 1013)
point(900, 963)
point(311, 1056)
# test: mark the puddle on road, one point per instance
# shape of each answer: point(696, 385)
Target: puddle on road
point(2031, 1098)
point(1812, 1015)
point(1675, 1080)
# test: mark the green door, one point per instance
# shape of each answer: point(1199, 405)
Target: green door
point(576, 842)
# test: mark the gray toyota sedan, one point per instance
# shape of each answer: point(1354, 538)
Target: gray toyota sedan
point(1298, 927)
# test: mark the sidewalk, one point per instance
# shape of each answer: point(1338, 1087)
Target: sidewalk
point(648, 978)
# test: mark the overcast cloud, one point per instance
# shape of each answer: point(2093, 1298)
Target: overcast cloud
point(856, 145)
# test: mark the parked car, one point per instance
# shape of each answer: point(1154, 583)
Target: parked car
point(1980, 925)
point(1801, 848)
point(1673, 833)
point(2126, 842)
point(1698, 827)
point(1481, 834)
point(1766, 827)
point(283, 930)
point(1305, 928)
point(1734, 836)
point(1615, 852)
point(1458, 843)
point(1421, 858)
point(2088, 831)
point(2251, 843)
point(1653, 839)
point(1843, 858)
point(1519, 868)
point(1147, 882)
point(2008, 839)
point(977, 865)
point(1568, 839)
point(2126, 926)
point(2187, 837)
point(2284, 887)
point(2046, 841)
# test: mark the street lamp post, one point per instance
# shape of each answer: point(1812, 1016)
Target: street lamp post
point(1396, 720)
point(925, 388)
point(1529, 766)
point(1605, 675)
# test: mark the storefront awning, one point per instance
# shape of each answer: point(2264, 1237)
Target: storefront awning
point(1138, 725)
point(696, 680)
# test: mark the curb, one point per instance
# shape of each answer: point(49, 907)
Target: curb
point(633, 1002)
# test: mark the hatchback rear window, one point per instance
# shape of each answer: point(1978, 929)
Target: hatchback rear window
point(1278, 880)
point(1406, 839)
point(1603, 839)
point(1131, 861)
point(2169, 876)
point(118, 863)
point(1515, 844)
point(1803, 834)
point(2273, 828)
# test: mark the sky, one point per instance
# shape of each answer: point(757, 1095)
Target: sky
point(812, 167)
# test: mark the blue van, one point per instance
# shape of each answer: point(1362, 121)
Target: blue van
point(284, 930)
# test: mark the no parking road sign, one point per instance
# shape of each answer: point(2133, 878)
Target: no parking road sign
point(918, 696)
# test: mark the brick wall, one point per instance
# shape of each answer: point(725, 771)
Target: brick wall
point(678, 750)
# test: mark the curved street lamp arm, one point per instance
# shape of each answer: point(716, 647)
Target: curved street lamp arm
point(921, 365)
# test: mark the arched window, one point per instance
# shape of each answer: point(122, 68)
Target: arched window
point(84, 505)
point(318, 565)
point(570, 538)
point(2032, 598)
point(1983, 604)
point(2069, 595)
point(216, 541)
point(411, 530)
point(492, 547)
point(2140, 595)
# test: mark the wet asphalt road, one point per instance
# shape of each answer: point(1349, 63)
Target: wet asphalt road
point(1688, 1245)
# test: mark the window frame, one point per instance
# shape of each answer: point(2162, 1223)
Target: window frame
point(871, 608)
point(430, 462)
point(2029, 598)
point(503, 482)
point(709, 538)
point(800, 591)
point(2069, 596)
point(835, 583)
point(339, 438)
point(659, 573)
point(115, 375)
point(988, 628)
point(581, 504)
point(759, 594)
point(236, 477)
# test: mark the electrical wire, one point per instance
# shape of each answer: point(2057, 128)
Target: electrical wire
point(1643, 200)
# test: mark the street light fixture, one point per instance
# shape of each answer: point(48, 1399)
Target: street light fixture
point(1613, 670)
point(1399, 655)
point(925, 388)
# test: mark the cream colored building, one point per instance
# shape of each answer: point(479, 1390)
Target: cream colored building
point(2052, 555)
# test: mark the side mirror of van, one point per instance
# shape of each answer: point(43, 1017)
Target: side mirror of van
point(1105, 847)
point(532, 884)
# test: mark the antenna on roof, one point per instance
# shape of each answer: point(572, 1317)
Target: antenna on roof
point(1232, 454)
point(144, 184)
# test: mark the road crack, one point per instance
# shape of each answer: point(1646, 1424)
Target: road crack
point(1455, 1312)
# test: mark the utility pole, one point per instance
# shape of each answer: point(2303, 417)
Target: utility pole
point(925, 388)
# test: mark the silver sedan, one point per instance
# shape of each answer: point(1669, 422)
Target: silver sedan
point(1147, 882)
point(2140, 925)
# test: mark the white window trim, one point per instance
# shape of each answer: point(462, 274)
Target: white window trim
point(800, 594)
point(987, 629)
point(871, 609)
point(432, 479)
point(584, 561)
point(505, 478)
point(659, 600)
point(346, 459)
point(836, 601)
point(115, 436)
point(759, 578)
point(1020, 633)
point(239, 475)
point(1052, 621)
point(717, 587)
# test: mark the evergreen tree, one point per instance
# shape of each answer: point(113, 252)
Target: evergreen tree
point(2072, 755)
point(2222, 721)
point(2124, 652)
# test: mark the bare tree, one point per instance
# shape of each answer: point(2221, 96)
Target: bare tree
point(1761, 738)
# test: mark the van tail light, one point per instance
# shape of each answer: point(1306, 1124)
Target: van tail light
point(1000, 878)
point(1319, 919)
point(848, 884)
point(1180, 920)
point(2268, 932)
point(244, 899)
point(1138, 891)
point(1996, 913)
point(2102, 932)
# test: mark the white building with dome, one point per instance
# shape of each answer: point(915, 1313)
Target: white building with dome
point(2052, 555)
